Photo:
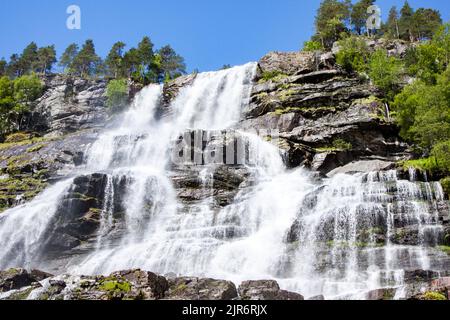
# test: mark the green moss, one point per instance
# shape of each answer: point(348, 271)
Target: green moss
point(432, 295)
point(36, 148)
point(180, 288)
point(338, 145)
point(445, 249)
point(275, 76)
point(115, 286)
point(25, 142)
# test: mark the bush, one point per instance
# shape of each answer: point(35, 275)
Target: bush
point(117, 93)
point(27, 89)
point(353, 54)
point(445, 183)
point(385, 72)
point(309, 46)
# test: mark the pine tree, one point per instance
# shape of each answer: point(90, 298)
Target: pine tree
point(114, 61)
point(68, 56)
point(29, 59)
point(391, 28)
point(359, 15)
point(87, 61)
point(3, 65)
point(426, 22)
point(13, 69)
point(332, 17)
point(406, 22)
point(146, 59)
point(46, 59)
point(171, 65)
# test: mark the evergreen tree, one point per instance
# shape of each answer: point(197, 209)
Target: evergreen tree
point(3, 65)
point(14, 69)
point(391, 28)
point(406, 22)
point(86, 62)
point(68, 57)
point(131, 61)
point(426, 22)
point(29, 59)
point(146, 70)
point(170, 64)
point(46, 59)
point(114, 61)
point(330, 21)
point(359, 15)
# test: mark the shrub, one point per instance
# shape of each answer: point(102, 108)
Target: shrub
point(117, 93)
point(27, 89)
point(385, 72)
point(353, 54)
point(309, 46)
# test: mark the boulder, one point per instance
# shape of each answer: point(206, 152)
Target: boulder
point(200, 289)
point(14, 279)
point(362, 166)
point(265, 290)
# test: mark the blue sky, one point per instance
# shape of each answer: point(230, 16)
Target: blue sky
point(208, 33)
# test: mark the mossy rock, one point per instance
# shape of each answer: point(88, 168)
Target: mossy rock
point(432, 295)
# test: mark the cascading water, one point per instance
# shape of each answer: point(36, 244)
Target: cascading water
point(335, 237)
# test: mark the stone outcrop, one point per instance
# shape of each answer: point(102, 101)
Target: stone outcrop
point(265, 290)
point(18, 284)
point(68, 105)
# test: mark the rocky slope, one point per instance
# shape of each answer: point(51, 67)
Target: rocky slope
point(328, 120)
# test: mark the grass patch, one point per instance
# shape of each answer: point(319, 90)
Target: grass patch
point(426, 164)
point(115, 286)
point(338, 145)
point(275, 76)
point(445, 249)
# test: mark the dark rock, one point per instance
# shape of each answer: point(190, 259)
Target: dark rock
point(381, 294)
point(200, 289)
point(319, 297)
point(14, 279)
point(265, 290)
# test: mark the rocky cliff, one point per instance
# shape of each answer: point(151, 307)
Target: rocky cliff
point(328, 121)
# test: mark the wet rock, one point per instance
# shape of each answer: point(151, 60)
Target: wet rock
point(265, 290)
point(363, 166)
point(14, 279)
point(316, 298)
point(381, 294)
point(200, 289)
point(171, 90)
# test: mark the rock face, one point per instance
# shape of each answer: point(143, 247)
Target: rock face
point(69, 104)
point(18, 284)
point(265, 290)
point(326, 117)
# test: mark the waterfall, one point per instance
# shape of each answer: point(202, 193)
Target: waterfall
point(335, 236)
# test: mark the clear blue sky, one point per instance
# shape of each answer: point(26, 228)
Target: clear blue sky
point(208, 33)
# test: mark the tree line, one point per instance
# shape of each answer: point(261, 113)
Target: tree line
point(337, 19)
point(142, 64)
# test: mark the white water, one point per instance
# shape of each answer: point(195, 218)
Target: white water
point(247, 239)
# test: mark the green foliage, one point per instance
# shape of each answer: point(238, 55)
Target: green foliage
point(359, 14)
point(115, 286)
point(169, 64)
point(446, 187)
point(423, 112)
point(86, 62)
point(385, 72)
point(46, 59)
point(309, 46)
point(432, 295)
point(27, 89)
point(117, 93)
point(272, 75)
point(114, 61)
point(331, 21)
point(342, 145)
point(391, 27)
point(3, 67)
point(68, 56)
point(353, 54)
